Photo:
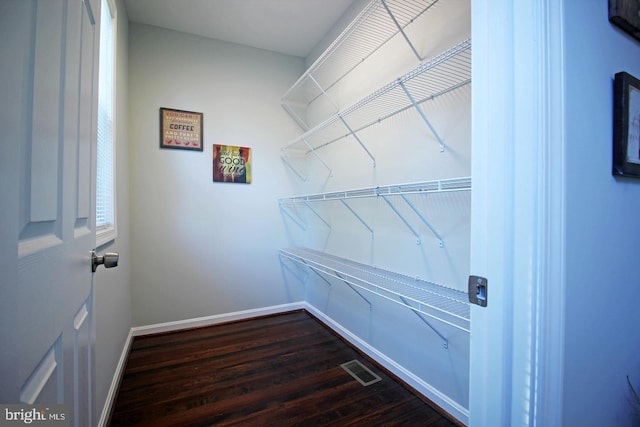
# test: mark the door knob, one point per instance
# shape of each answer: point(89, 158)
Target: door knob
point(109, 260)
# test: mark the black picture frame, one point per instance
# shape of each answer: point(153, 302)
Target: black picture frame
point(626, 15)
point(626, 125)
point(181, 129)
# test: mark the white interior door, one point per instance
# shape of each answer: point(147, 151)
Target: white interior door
point(47, 226)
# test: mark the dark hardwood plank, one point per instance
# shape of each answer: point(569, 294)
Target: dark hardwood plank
point(279, 370)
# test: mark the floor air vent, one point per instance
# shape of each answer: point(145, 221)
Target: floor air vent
point(358, 371)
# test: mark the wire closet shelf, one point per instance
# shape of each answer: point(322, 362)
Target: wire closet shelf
point(443, 185)
point(379, 22)
point(386, 193)
point(438, 302)
point(444, 73)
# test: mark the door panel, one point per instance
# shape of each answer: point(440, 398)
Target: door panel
point(45, 384)
point(47, 211)
point(41, 147)
point(88, 68)
point(42, 160)
point(82, 364)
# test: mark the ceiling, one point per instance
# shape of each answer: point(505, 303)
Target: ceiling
point(292, 27)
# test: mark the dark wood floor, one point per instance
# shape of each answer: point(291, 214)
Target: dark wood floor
point(273, 371)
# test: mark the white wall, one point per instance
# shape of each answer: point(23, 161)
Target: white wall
point(201, 248)
point(603, 285)
point(113, 287)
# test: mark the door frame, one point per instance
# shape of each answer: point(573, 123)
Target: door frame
point(518, 212)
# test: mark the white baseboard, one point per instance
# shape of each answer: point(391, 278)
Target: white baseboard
point(440, 399)
point(215, 319)
point(115, 381)
point(445, 402)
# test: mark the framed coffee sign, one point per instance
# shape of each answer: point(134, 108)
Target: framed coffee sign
point(180, 129)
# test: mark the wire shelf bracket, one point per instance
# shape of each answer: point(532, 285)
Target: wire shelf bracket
point(320, 276)
point(293, 217)
point(445, 341)
point(413, 230)
point(346, 282)
point(318, 157)
point(317, 214)
point(357, 139)
point(323, 92)
point(401, 30)
point(295, 274)
point(285, 158)
point(422, 114)
point(424, 220)
point(362, 221)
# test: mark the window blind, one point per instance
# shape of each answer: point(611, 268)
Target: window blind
point(105, 212)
